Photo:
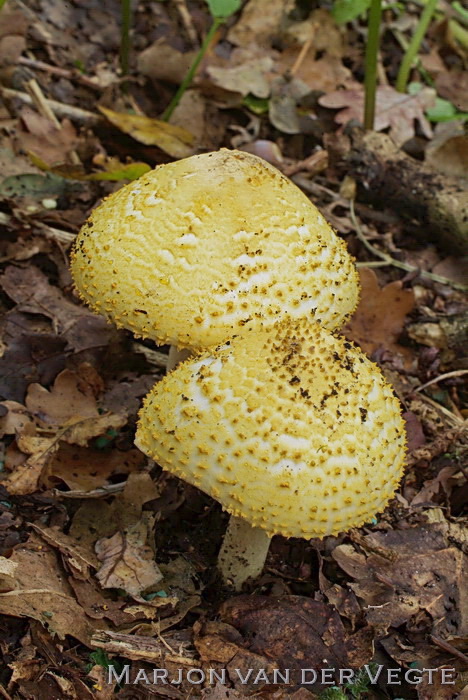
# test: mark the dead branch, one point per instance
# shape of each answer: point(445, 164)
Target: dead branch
point(389, 176)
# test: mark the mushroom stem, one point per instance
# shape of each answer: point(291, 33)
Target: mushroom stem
point(176, 356)
point(243, 552)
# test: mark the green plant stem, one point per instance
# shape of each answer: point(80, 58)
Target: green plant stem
point(414, 46)
point(372, 48)
point(217, 22)
point(460, 34)
point(2, 3)
point(125, 36)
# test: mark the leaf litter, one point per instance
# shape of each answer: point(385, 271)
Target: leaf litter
point(103, 558)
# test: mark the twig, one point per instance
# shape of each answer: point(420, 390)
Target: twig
point(186, 19)
point(47, 231)
point(453, 419)
point(388, 260)
point(43, 107)
point(4, 693)
point(60, 72)
point(303, 53)
point(81, 116)
point(442, 377)
point(448, 647)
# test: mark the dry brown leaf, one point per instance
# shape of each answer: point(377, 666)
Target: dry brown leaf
point(393, 109)
point(127, 561)
point(25, 477)
point(17, 420)
point(94, 520)
point(85, 468)
point(78, 558)
point(70, 398)
point(324, 74)
point(448, 150)
point(174, 140)
point(7, 574)
point(43, 138)
point(42, 593)
point(420, 571)
point(260, 22)
point(453, 86)
point(161, 61)
point(247, 72)
point(380, 316)
point(80, 432)
point(32, 291)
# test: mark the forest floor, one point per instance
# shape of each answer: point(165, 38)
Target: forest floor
point(281, 81)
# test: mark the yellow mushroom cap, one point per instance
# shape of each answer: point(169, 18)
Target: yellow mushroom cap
point(196, 249)
point(291, 428)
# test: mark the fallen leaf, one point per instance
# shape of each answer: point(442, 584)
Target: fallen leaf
point(16, 420)
point(324, 74)
point(41, 136)
point(42, 593)
point(288, 629)
point(85, 468)
point(246, 73)
point(282, 112)
point(114, 170)
point(420, 571)
point(260, 22)
point(7, 574)
point(70, 398)
point(393, 109)
point(161, 61)
point(32, 291)
point(78, 559)
point(174, 140)
point(94, 520)
point(447, 152)
point(453, 86)
point(25, 477)
point(380, 316)
point(127, 561)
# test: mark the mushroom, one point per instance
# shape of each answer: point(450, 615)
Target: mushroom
point(194, 250)
point(290, 427)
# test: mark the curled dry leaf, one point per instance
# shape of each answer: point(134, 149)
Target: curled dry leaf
point(174, 140)
point(26, 476)
point(127, 561)
point(393, 109)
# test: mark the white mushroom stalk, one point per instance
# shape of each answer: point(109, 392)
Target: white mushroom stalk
point(290, 428)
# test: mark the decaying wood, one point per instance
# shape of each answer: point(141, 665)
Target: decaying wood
point(389, 176)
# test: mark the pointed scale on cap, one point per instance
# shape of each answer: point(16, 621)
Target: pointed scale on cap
point(291, 428)
point(194, 250)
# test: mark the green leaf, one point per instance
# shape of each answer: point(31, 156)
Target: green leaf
point(221, 9)
point(346, 10)
point(257, 105)
point(100, 658)
point(444, 111)
point(460, 9)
